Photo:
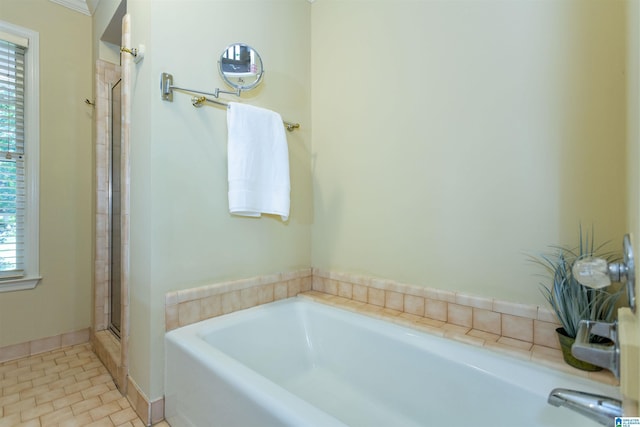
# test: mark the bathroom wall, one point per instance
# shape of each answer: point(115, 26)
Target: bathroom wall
point(460, 137)
point(631, 380)
point(452, 138)
point(102, 17)
point(182, 235)
point(61, 303)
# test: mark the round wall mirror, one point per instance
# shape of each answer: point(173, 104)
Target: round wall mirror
point(241, 67)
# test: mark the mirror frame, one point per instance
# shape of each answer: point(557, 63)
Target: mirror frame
point(235, 84)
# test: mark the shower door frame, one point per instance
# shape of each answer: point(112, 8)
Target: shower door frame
point(111, 351)
point(116, 329)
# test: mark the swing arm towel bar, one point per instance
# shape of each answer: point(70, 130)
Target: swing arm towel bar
point(167, 88)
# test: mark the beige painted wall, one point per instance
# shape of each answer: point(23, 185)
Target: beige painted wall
point(458, 138)
point(182, 235)
point(62, 301)
point(102, 16)
point(631, 380)
point(453, 137)
point(459, 131)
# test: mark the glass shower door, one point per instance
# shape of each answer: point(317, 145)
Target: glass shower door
point(114, 210)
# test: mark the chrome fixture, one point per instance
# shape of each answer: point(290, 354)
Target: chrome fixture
point(199, 101)
point(603, 355)
point(167, 87)
point(601, 409)
point(240, 67)
point(137, 53)
point(596, 273)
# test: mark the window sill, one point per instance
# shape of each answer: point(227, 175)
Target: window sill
point(21, 284)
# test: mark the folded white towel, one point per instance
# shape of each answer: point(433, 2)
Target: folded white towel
point(258, 162)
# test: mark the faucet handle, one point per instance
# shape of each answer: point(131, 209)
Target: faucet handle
point(605, 356)
point(596, 273)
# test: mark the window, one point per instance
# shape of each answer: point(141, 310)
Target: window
point(19, 158)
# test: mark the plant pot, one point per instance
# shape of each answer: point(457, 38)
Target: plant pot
point(565, 345)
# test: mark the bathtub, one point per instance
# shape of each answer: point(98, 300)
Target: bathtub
point(300, 363)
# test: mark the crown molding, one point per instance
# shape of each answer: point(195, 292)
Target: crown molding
point(86, 7)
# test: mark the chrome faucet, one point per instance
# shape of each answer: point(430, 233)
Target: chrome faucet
point(589, 272)
point(601, 409)
point(605, 356)
point(596, 273)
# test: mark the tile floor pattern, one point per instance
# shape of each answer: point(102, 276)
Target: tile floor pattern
point(65, 387)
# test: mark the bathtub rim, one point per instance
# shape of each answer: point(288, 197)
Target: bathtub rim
point(540, 385)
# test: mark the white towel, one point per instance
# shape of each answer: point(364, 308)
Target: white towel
point(258, 162)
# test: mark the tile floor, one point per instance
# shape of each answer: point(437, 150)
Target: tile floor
point(64, 387)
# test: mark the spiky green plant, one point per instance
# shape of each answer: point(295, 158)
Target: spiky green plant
point(570, 300)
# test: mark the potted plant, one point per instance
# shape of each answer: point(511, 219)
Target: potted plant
point(571, 301)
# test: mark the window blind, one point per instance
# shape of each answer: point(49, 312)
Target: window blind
point(12, 166)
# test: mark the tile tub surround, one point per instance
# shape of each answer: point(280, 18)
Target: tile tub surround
point(189, 306)
point(521, 330)
point(524, 331)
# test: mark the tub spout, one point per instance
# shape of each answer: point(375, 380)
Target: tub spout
point(601, 409)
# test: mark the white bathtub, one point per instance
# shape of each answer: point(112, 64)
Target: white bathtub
point(300, 363)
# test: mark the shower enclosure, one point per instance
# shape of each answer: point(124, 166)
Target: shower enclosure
point(115, 240)
point(111, 266)
point(111, 242)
